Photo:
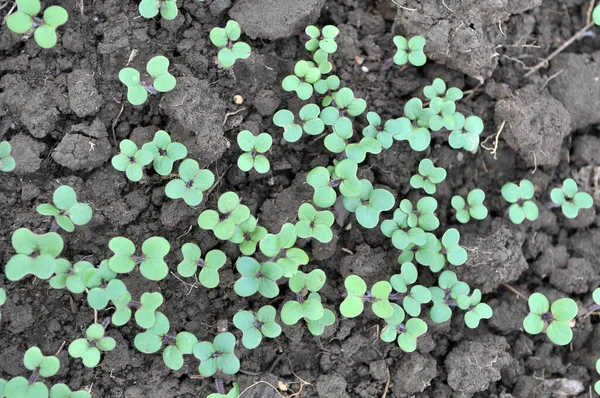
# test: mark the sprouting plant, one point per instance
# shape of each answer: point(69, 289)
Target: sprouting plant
point(225, 39)
point(314, 224)
point(317, 327)
point(406, 333)
point(309, 122)
point(401, 238)
point(26, 18)
point(152, 263)
point(67, 212)
point(555, 318)
point(69, 276)
point(305, 75)
point(36, 254)
point(151, 340)
point(209, 267)
point(338, 112)
point(7, 162)
point(146, 313)
point(247, 235)
point(369, 204)
point(357, 295)
point(343, 176)
point(177, 346)
point(40, 365)
point(63, 391)
point(476, 310)
point(569, 200)
point(322, 59)
point(324, 39)
point(103, 286)
point(439, 115)
point(233, 393)
point(465, 133)
point(429, 176)
point(272, 244)
point(132, 160)
point(327, 88)
point(472, 207)
point(256, 325)
point(438, 89)
point(445, 295)
point(256, 277)
point(410, 50)
point(384, 133)
point(355, 151)
point(309, 308)
point(150, 8)
point(418, 136)
point(412, 296)
point(218, 355)
point(422, 215)
point(138, 89)
point(89, 348)
point(455, 254)
point(165, 152)
point(520, 196)
point(430, 254)
point(233, 213)
point(254, 147)
point(191, 184)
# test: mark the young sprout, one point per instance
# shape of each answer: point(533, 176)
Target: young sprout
point(322, 60)
point(7, 163)
point(40, 365)
point(311, 309)
point(569, 200)
point(383, 133)
point(70, 277)
point(439, 115)
point(256, 325)
point(67, 212)
point(138, 89)
point(191, 184)
point(476, 310)
point(150, 8)
point(369, 205)
point(305, 75)
point(465, 133)
point(316, 328)
point(411, 295)
point(395, 229)
point(89, 349)
point(36, 254)
point(309, 122)
point(25, 19)
point(178, 346)
point(165, 152)
point(356, 151)
point(132, 160)
point(556, 318)
point(152, 263)
point(272, 244)
point(357, 295)
point(225, 39)
point(257, 277)
point(520, 196)
point(218, 355)
point(410, 50)
point(343, 176)
point(438, 90)
point(472, 207)
point(314, 224)
point(63, 391)
point(406, 333)
point(254, 147)
point(103, 286)
point(418, 136)
point(421, 216)
point(455, 254)
point(429, 176)
point(327, 88)
point(145, 315)
point(431, 253)
point(344, 105)
point(152, 339)
point(445, 295)
point(324, 40)
point(247, 235)
point(209, 267)
point(291, 260)
point(233, 393)
point(233, 213)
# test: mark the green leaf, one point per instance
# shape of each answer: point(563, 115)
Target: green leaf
point(559, 333)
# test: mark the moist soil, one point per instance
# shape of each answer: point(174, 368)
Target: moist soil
point(64, 111)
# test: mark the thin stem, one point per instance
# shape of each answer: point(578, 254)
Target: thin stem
point(220, 386)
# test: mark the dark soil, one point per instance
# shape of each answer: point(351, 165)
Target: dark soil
point(64, 111)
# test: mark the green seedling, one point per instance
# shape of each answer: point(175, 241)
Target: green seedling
point(431, 253)
point(520, 196)
point(233, 213)
point(357, 295)
point(145, 315)
point(410, 50)
point(138, 89)
point(178, 346)
point(272, 244)
point(396, 230)
point(384, 133)
point(343, 176)
point(369, 205)
point(412, 296)
point(324, 40)
point(421, 216)
point(429, 176)
point(26, 18)
point(356, 151)
point(165, 152)
point(569, 200)
point(405, 333)
point(103, 286)
point(418, 136)
point(455, 254)
point(254, 147)
point(256, 277)
point(291, 260)
point(438, 90)
point(445, 295)
point(556, 318)
point(233, 393)
point(344, 105)
point(191, 184)
point(151, 8)
point(67, 212)
point(255, 326)
point(7, 162)
point(152, 339)
point(465, 133)
point(316, 328)
point(247, 235)
point(70, 277)
point(40, 365)
point(322, 59)
point(209, 267)
point(152, 263)
point(122, 313)
point(90, 348)
point(309, 122)
point(36, 254)
point(327, 88)
point(218, 355)
point(132, 160)
point(311, 309)
point(225, 39)
point(305, 75)
point(314, 224)
point(312, 282)
point(439, 115)
point(476, 310)
point(63, 391)
point(472, 207)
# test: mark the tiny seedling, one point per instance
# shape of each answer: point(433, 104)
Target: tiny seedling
point(455, 254)
point(569, 200)
point(305, 75)
point(431, 253)
point(357, 295)
point(396, 230)
point(324, 40)
point(233, 393)
point(327, 88)
point(247, 235)
point(355, 151)
point(36, 254)
point(191, 184)
point(418, 136)
point(438, 89)
point(89, 349)
point(209, 267)
point(26, 18)
point(7, 162)
point(70, 277)
point(132, 160)
point(233, 213)
point(309, 122)
point(254, 147)
point(256, 277)
point(177, 346)
point(272, 244)
point(225, 39)
point(472, 207)
point(40, 365)
point(323, 181)
point(556, 318)
point(165, 152)
point(145, 315)
point(384, 133)
point(311, 309)
point(152, 263)
point(138, 89)
point(429, 176)
point(150, 8)
point(67, 212)
point(412, 296)
point(410, 50)
point(369, 205)
point(344, 105)
point(322, 59)
point(152, 339)
point(445, 295)
point(406, 333)
point(316, 328)
point(520, 196)
point(476, 310)
point(218, 355)
point(422, 215)
point(256, 325)
point(314, 224)
point(63, 391)
point(103, 286)
point(465, 133)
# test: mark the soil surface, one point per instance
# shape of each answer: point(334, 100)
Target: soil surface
point(64, 111)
